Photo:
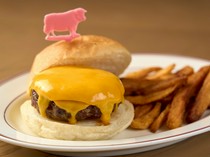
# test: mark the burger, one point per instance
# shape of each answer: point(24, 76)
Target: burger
point(75, 92)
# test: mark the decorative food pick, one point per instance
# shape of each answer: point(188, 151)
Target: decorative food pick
point(66, 21)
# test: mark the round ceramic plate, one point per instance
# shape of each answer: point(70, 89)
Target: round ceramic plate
point(129, 141)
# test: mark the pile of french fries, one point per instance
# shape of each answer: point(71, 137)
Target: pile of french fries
point(164, 97)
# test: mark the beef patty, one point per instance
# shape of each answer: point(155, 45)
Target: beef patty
point(56, 113)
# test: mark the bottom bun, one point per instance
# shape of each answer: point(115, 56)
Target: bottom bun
point(86, 130)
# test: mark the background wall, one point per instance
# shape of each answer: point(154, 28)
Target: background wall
point(159, 26)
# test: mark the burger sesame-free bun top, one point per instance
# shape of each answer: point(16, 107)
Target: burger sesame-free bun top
point(88, 51)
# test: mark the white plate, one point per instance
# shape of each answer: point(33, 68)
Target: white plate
point(14, 131)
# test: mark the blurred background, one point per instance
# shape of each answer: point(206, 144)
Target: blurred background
point(179, 27)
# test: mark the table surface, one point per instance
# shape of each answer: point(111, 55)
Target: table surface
point(169, 27)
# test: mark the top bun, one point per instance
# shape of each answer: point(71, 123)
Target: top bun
point(88, 50)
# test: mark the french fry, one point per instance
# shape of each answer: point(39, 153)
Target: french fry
point(145, 121)
point(145, 99)
point(163, 84)
point(153, 86)
point(133, 85)
point(202, 101)
point(167, 76)
point(157, 123)
point(161, 72)
point(142, 110)
point(177, 110)
point(130, 85)
point(185, 71)
point(145, 87)
point(181, 99)
point(142, 73)
point(167, 100)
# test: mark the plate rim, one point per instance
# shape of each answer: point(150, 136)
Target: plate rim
point(132, 145)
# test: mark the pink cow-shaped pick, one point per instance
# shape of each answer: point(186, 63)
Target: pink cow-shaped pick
point(66, 21)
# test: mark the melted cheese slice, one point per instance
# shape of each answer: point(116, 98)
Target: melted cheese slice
point(75, 88)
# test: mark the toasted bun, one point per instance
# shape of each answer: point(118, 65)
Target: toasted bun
point(88, 130)
point(88, 50)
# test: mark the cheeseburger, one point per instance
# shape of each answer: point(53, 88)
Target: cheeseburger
point(75, 90)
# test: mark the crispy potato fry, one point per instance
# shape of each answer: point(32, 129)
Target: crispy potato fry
point(185, 71)
point(167, 100)
point(202, 101)
point(133, 85)
point(157, 123)
point(142, 73)
point(161, 72)
point(142, 110)
point(163, 84)
point(150, 87)
point(130, 85)
point(144, 87)
point(145, 99)
point(167, 76)
point(178, 107)
point(145, 121)
point(181, 99)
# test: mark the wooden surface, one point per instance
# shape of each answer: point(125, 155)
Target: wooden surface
point(170, 27)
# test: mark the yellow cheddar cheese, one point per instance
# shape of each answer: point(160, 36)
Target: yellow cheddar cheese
point(75, 88)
